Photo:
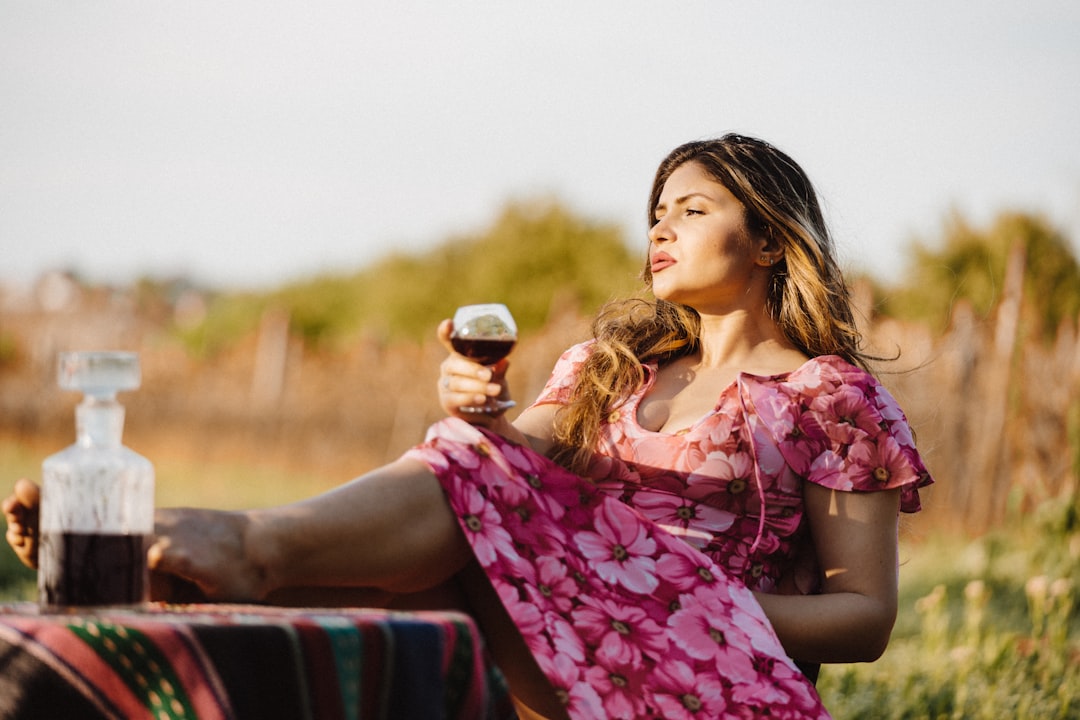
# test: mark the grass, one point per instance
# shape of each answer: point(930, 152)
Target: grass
point(17, 582)
point(988, 628)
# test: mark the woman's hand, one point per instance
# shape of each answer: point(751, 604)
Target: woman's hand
point(21, 512)
point(463, 382)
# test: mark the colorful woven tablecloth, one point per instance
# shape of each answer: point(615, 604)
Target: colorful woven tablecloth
point(245, 661)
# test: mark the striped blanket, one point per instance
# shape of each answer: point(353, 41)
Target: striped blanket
point(242, 661)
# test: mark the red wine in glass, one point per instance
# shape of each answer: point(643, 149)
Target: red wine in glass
point(485, 352)
point(485, 333)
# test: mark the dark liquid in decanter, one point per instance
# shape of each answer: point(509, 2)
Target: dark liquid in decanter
point(92, 569)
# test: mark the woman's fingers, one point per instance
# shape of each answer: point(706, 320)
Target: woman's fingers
point(28, 493)
point(22, 504)
point(24, 546)
point(463, 382)
point(443, 331)
point(470, 387)
point(21, 513)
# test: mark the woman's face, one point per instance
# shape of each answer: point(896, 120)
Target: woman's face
point(701, 253)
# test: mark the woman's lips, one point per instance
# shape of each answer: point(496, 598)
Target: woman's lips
point(659, 261)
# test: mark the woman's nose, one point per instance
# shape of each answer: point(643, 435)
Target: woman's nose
point(659, 232)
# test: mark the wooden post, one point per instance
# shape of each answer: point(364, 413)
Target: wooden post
point(271, 357)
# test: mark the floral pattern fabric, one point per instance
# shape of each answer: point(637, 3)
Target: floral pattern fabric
point(828, 423)
point(632, 586)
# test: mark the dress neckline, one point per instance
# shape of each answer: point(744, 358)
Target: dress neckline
point(652, 368)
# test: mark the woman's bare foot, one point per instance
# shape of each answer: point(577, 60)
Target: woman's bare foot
point(207, 549)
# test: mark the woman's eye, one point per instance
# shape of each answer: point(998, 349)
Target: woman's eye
point(694, 211)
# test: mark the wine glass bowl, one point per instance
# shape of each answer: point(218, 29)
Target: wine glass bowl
point(485, 333)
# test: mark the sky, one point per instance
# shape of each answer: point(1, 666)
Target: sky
point(249, 144)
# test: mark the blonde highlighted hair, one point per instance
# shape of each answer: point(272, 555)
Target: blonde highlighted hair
point(808, 297)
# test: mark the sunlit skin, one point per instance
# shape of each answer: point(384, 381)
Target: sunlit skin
point(392, 528)
point(701, 252)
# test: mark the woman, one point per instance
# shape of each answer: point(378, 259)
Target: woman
point(708, 488)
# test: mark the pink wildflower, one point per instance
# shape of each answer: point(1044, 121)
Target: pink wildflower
point(885, 462)
point(621, 548)
point(621, 632)
point(680, 693)
point(619, 687)
point(579, 697)
point(482, 524)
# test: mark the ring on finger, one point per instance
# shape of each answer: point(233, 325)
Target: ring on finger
point(446, 383)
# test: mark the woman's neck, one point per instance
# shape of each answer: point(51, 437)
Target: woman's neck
point(747, 343)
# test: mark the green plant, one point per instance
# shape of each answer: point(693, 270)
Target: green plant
point(988, 629)
point(17, 582)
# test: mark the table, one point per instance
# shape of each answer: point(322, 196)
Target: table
point(220, 661)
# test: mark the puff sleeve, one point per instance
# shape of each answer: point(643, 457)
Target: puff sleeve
point(836, 426)
point(561, 383)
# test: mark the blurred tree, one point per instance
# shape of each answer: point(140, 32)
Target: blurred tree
point(970, 263)
point(229, 317)
point(320, 309)
point(535, 257)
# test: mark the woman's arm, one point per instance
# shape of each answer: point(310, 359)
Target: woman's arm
point(855, 536)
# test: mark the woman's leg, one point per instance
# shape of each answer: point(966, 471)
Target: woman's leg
point(390, 529)
point(534, 697)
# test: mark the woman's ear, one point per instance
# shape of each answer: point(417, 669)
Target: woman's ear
point(770, 251)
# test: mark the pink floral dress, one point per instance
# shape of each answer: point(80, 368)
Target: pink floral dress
point(632, 586)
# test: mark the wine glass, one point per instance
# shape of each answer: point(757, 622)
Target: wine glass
point(485, 333)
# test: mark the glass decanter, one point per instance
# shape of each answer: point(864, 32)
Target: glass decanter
point(97, 496)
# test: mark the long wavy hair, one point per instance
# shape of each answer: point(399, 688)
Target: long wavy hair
point(808, 297)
